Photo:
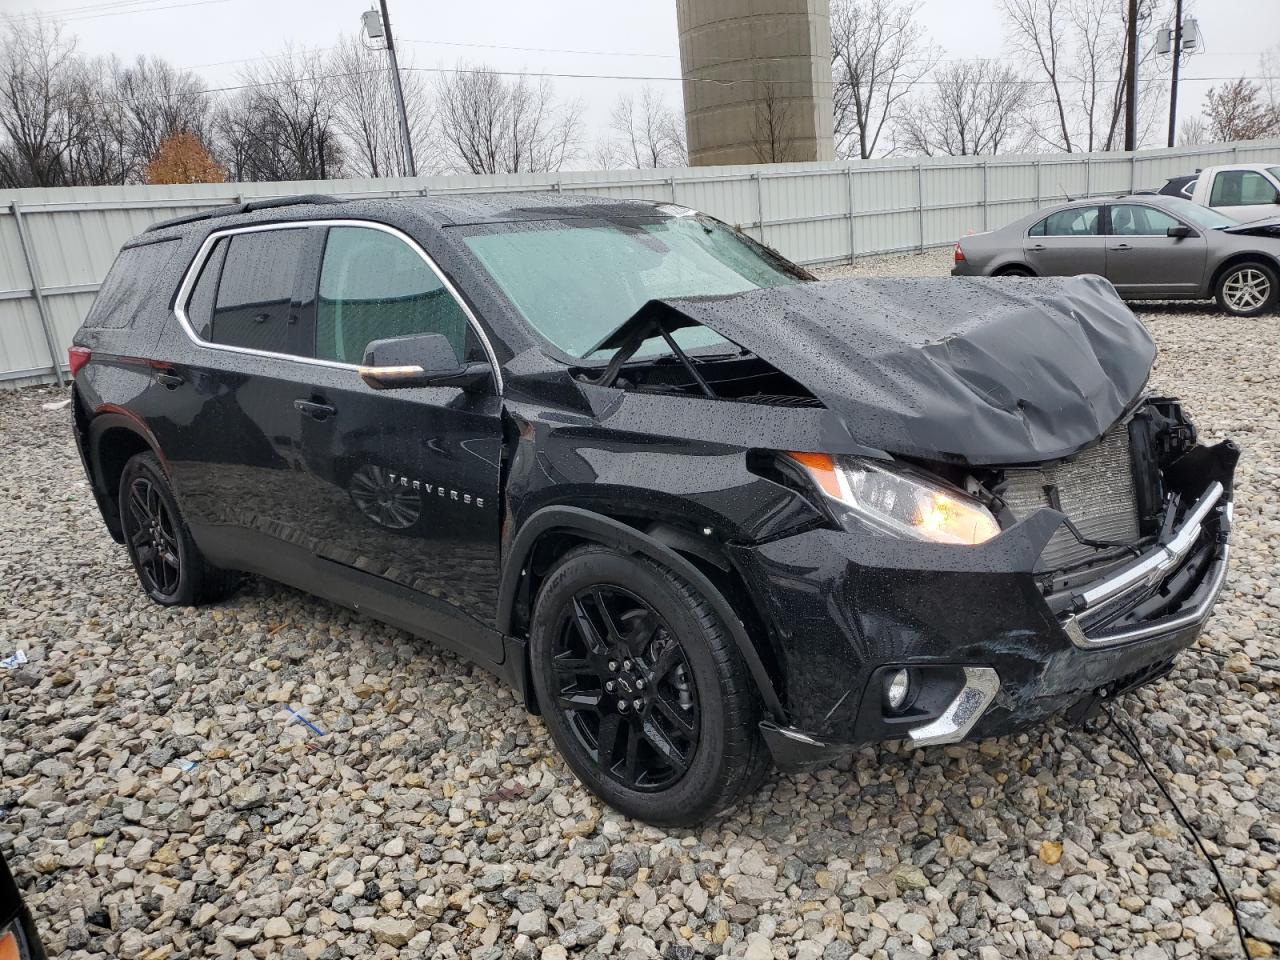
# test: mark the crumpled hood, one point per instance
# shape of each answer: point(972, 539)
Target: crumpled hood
point(979, 370)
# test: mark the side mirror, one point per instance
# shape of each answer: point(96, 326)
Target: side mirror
point(422, 360)
point(1180, 231)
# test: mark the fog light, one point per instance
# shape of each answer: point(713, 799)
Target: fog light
point(895, 694)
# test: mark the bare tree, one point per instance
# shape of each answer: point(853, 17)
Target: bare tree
point(647, 133)
point(878, 53)
point(283, 125)
point(492, 125)
point(773, 125)
point(1076, 47)
point(156, 101)
point(42, 100)
point(367, 115)
point(1237, 111)
point(975, 107)
point(1193, 131)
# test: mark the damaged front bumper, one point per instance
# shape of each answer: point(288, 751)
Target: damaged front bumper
point(988, 652)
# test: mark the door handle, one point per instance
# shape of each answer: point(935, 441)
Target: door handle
point(316, 411)
point(261, 317)
point(1037, 246)
point(171, 380)
point(1122, 246)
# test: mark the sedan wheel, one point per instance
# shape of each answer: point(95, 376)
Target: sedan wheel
point(1247, 290)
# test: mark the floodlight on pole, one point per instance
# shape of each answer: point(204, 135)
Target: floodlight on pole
point(378, 27)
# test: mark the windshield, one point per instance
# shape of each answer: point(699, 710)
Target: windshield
point(575, 282)
point(1197, 215)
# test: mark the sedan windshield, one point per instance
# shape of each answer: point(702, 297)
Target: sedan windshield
point(575, 282)
point(1197, 215)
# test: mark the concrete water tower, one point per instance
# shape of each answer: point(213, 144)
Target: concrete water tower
point(777, 53)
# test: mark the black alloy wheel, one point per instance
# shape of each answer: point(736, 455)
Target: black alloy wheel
point(169, 566)
point(382, 500)
point(152, 537)
point(643, 689)
point(626, 688)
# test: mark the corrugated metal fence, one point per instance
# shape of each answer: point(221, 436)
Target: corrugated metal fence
point(57, 244)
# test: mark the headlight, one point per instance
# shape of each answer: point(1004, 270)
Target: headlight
point(900, 504)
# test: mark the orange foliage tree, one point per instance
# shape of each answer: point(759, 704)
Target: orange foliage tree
point(182, 158)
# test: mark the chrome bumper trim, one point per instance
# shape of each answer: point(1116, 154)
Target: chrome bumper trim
point(1149, 570)
point(1154, 565)
point(981, 684)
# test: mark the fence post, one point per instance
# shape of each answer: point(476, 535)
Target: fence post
point(1133, 171)
point(759, 205)
point(920, 202)
point(985, 228)
point(1036, 164)
point(671, 181)
point(28, 254)
point(853, 246)
point(1088, 176)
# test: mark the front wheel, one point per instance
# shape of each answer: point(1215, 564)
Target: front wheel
point(642, 689)
point(1247, 289)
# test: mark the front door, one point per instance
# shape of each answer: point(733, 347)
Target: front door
point(1144, 261)
point(1245, 194)
point(1067, 243)
point(402, 484)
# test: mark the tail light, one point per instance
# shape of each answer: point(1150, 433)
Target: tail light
point(959, 254)
point(77, 357)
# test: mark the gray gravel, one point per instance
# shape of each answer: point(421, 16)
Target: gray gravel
point(159, 802)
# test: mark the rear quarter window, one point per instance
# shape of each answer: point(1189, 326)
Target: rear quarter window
point(130, 282)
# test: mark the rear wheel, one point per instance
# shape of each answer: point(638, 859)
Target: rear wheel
point(1013, 272)
point(1247, 289)
point(169, 566)
point(642, 689)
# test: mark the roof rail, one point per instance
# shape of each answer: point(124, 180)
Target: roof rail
point(230, 210)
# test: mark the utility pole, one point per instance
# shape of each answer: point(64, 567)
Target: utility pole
point(395, 85)
point(1173, 87)
point(1131, 74)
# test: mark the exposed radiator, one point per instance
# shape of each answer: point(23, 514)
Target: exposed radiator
point(1095, 490)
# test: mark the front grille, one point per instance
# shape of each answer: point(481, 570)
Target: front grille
point(1095, 490)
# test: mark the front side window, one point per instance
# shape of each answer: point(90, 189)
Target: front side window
point(374, 286)
point(254, 305)
point(1072, 222)
point(1241, 188)
point(575, 282)
point(1138, 220)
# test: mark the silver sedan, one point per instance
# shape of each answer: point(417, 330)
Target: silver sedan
point(1150, 247)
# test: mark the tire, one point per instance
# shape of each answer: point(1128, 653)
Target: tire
point(1247, 289)
point(169, 566)
point(1013, 272)
point(696, 678)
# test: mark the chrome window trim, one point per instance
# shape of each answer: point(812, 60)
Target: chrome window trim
point(197, 264)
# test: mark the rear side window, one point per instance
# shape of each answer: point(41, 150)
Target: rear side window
point(374, 286)
point(254, 304)
point(1075, 222)
point(129, 284)
point(1239, 188)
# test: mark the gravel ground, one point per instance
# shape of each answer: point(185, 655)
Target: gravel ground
point(158, 802)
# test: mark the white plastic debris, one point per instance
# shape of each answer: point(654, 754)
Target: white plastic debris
point(14, 661)
point(56, 404)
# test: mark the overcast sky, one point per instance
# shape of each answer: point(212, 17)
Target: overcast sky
point(636, 39)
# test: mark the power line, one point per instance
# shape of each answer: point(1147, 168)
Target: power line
point(124, 8)
point(499, 46)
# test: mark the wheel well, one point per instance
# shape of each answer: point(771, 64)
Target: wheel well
point(707, 558)
point(1007, 268)
point(113, 449)
point(1238, 258)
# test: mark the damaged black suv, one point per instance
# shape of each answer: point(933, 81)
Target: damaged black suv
point(705, 512)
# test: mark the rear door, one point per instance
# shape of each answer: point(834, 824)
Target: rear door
point(1066, 243)
point(1144, 261)
point(230, 372)
point(401, 484)
point(1244, 194)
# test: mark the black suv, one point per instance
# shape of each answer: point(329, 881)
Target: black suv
point(703, 510)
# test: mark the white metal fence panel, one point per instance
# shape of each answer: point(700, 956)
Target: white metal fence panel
point(56, 245)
